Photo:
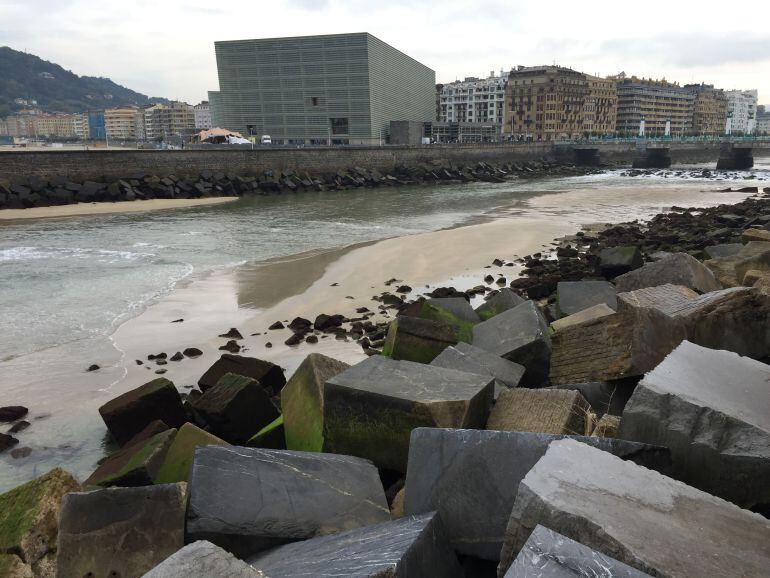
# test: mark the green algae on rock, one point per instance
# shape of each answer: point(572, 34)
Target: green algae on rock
point(178, 460)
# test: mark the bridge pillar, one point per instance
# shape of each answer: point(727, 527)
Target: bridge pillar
point(652, 158)
point(732, 158)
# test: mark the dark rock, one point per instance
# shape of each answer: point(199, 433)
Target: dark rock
point(501, 300)
point(19, 426)
point(404, 289)
point(157, 356)
point(464, 357)
point(202, 559)
point(20, 453)
point(676, 269)
point(325, 322)
point(276, 325)
point(271, 437)
point(300, 325)
point(232, 334)
point(371, 408)
point(618, 260)
point(471, 478)
point(231, 346)
point(576, 296)
point(420, 340)
point(268, 374)
point(247, 500)
point(192, 352)
point(120, 531)
point(177, 321)
point(93, 367)
point(135, 464)
point(453, 310)
point(128, 414)
point(295, 339)
point(413, 546)
point(177, 356)
point(7, 442)
point(12, 413)
point(311, 339)
point(604, 396)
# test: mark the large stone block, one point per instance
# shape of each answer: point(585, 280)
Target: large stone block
point(269, 375)
point(607, 427)
point(730, 270)
point(576, 296)
point(134, 465)
point(548, 554)
point(471, 478)
point(502, 300)
point(236, 408)
point(371, 408)
point(604, 397)
point(519, 335)
point(416, 339)
point(724, 250)
point(302, 402)
point(128, 414)
point(590, 314)
point(203, 559)
point(675, 269)
point(246, 500)
point(638, 516)
point(28, 519)
point(464, 357)
point(711, 408)
point(120, 531)
point(413, 546)
point(555, 411)
point(177, 461)
point(452, 310)
point(619, 260)
point(750, 235)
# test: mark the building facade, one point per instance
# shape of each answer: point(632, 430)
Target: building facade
point(600, 108)
point(709, 115)
point(55, 126)
point(161, 122)
point(654, 101)
point(202, 113)
point(473, 100)
point(742, 108)
point(96, 129)
point(763, 120)
point(343, 88)
point(120, 123)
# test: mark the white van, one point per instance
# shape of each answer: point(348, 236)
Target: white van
point(265, 140)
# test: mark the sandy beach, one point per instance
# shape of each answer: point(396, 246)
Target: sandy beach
point(107, 208)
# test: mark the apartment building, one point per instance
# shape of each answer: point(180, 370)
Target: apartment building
point(120, 123)
point(709, 116)
point(654, 101)
point(202, 113)
point(160, 121)
point(54, 125)
point(473, 100)
point(763, 120)
point(742, 108)
point(600, 108)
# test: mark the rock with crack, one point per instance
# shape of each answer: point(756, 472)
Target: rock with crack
point(203, 559)
point(412, 546)
point(502, 300)
point(302, 402)
point(519, 335)
point(120, 531)
point(464, 357)
point(416, 339)
point(548, 554)
point(28, 522)
point(638, 516)
point(236, 408)
point(575, 296)
point(555, 411)
point(134, 465)
point(177, 461)
point(676, 269)
point(470, 477)
point(128, 414)
point(710, 408)
point(268, 374)
point(246, 500)
point(371, 409)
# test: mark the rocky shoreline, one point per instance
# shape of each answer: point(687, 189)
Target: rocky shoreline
point(627, 366)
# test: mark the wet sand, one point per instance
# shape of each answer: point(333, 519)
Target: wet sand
point(107, 208)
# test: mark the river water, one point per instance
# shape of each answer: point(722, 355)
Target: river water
point(67, 284)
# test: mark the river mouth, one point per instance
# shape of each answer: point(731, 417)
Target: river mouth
point(248, 264)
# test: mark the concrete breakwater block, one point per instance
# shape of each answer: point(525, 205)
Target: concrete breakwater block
point(302, 402)
point(464, 357)
point(675, 269)
point(638, 516)
point(246, 500)
point(269, 375)
point(575, 296)
point(556, 411)
point(177, 462)
point(604, 397)
point(616, 261)
point(590, 314)
point(450, 310)
point(236, 408)
point(120, 531)
point(203, 559)
point(411, 546)
point(729, 270)
point(128, 414)
point(607, 427)
point(371, 408)
point(134, 465)
point(712, 409)
point(417, 339)
point(471, 478)
point(503, 300)
point(519, 335)
point(548, 554)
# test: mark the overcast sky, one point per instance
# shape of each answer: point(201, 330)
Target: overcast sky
point(166, 47)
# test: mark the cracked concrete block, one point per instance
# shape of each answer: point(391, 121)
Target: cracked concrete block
point(203, 559)
point(246, 500)
point(555, 411)
point(575, 296)
point(464, 357)
point(675, 269)
point(637, 516)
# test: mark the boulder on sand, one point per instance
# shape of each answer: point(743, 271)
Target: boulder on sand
point(519, 335)
point(12, 412)
point(471, 478)
point(177, 461)
point(416, 339)
point(371, 408)
point(268, 374)
point(302, 402)
point(710, 408)
point(413, 546)
point(638, 516)
point(203, 559)
point(575, 296)
point(555, 411)
point(675, 269)
point(548, 554)
point(120, 531)
point(246, 500)
point(619, 260)
point(128, 414)
point(134, 465)
point(235, 408)
point(502, 300)
point(464, 357)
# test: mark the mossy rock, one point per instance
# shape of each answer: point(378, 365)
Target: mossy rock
point(135, 465)
point(417, 339)
point(503, 300)
point(178, 460)
point(302, 402)
point(441, 311)
point(11, 566)
point(29, 514)
point(271, 437)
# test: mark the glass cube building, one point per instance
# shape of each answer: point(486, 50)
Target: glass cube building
point(340, 88)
